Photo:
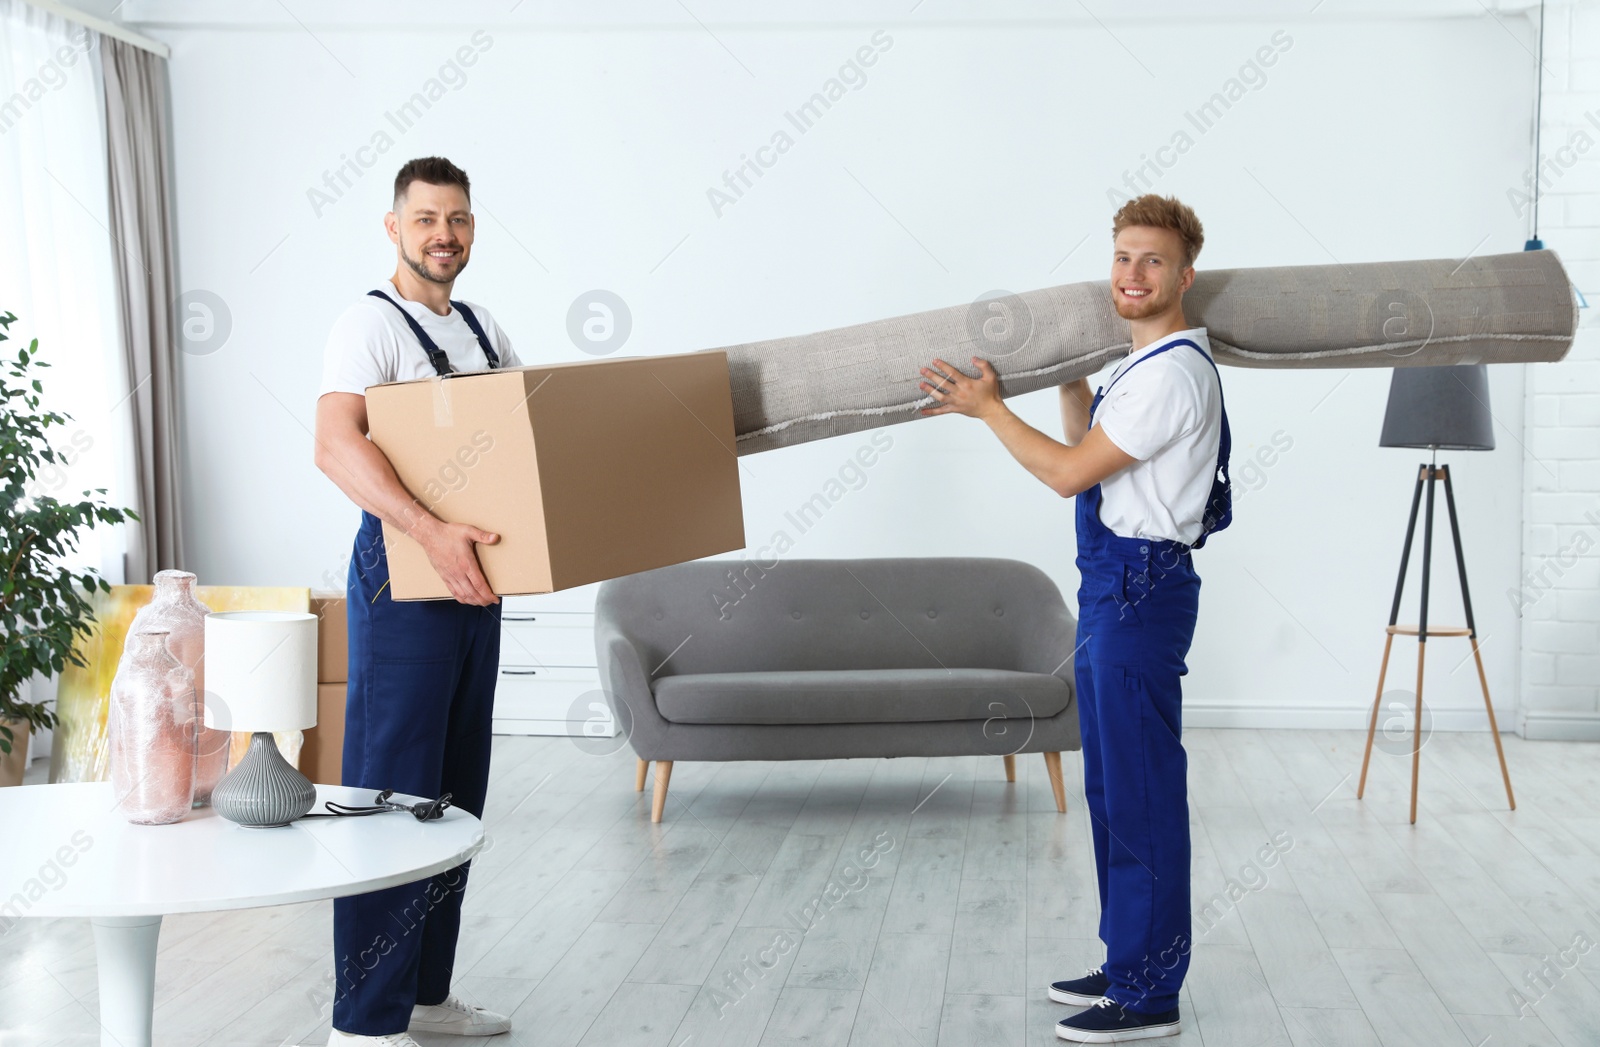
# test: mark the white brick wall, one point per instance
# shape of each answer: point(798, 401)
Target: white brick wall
point(1560, 662)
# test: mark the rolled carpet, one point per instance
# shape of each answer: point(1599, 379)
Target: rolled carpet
point(1507, 308)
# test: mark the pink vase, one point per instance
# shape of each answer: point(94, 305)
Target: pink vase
point(176, 609)
point(150, 729)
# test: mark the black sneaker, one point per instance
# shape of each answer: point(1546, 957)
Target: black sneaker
point(1107, 1022)
point(1091, 988)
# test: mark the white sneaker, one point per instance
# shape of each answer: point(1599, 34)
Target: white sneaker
point(350, 1039)
point(456, 1017)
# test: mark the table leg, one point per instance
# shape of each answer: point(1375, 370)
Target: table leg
point(125, 954)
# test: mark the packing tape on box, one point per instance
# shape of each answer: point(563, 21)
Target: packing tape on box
point(443, 417)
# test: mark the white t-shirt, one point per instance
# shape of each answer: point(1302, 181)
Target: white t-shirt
point(371, 343)
point(1167, 413)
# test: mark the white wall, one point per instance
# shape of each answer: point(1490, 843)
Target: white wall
point(974, 157)
point(1559, 593)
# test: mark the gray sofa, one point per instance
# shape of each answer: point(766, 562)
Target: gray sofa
point(830, 659)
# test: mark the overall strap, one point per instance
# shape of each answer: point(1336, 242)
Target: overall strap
point(1219, 505)
point(1157, 352)
point(436, 356)
point(477, 329)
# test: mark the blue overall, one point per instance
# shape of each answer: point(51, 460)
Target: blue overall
point(1136, 615)
point(417, 720)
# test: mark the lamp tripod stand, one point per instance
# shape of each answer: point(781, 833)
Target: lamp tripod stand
point(1427, 474)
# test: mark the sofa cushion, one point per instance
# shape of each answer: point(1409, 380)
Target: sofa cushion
point(859, 696)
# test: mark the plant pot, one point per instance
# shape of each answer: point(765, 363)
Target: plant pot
point(15, 762)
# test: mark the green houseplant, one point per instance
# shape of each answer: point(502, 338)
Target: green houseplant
point(44, 607)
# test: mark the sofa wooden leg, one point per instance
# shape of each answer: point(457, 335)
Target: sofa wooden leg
point(1011, 768)
point(659, 803)
point(1052, 764)
point(644, 772)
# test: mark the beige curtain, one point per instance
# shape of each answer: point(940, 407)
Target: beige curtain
point(138, 144)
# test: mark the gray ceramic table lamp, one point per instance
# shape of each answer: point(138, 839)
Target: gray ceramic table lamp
point(261, 676)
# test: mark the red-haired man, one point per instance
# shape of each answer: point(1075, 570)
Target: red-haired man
point(1147, 460)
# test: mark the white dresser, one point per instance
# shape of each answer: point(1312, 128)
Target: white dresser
point(548, 681)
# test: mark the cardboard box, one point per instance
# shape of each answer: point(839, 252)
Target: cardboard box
point(587, 470)
point(321, 756)
point(333, 637)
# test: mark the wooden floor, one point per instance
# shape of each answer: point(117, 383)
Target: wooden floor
point(593, 927)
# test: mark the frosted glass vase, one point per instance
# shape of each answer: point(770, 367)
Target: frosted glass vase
point(151, 732)
point(176, 609)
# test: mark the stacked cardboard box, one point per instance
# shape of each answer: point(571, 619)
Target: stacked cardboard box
point(324, 744)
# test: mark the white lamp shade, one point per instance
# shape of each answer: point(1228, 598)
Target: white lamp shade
point(261, 670)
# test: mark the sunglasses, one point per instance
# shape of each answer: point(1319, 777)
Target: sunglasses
point(426, 811)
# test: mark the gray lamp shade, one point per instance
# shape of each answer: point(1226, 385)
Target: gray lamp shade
point(1443, 407)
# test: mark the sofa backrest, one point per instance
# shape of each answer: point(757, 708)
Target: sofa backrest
point(901, 613)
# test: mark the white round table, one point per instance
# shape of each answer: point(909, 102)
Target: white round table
point(69, 853)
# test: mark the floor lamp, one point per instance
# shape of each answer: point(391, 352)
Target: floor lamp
point(1434, 408)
